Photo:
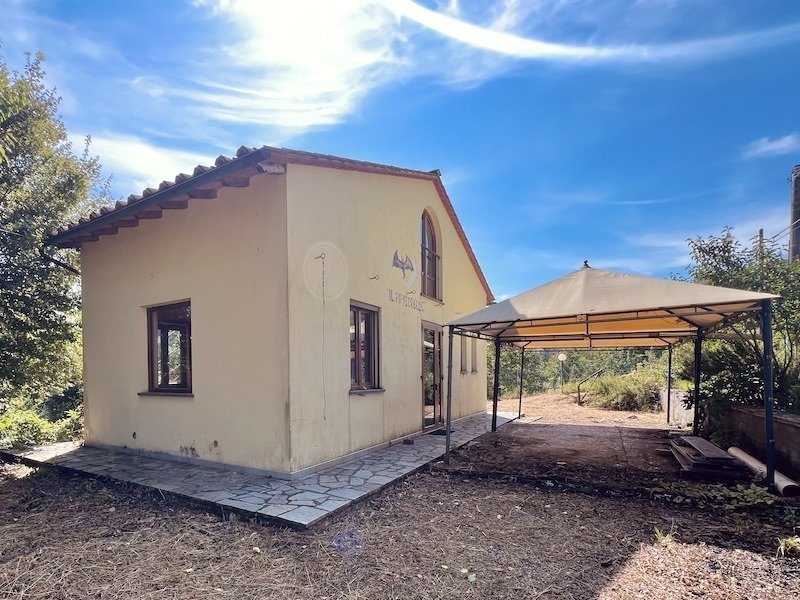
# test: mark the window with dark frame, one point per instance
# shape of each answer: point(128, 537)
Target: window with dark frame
point(363, 347)
point(170, 348)
point(463, 353)
point(430, 260)
point(474, 344)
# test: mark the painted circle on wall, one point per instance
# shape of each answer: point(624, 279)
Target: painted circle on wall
point(325, 271)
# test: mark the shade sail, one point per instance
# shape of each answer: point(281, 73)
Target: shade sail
point(593, 308)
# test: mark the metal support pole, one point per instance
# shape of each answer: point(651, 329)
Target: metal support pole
point(669, 381)
point(769, 431)
point(496, 391)
point(521, 373)
point(698, 355)
point(449, 394)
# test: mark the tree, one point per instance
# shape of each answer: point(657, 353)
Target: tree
point(731, 366)
point(43, 185)
point(542, 369)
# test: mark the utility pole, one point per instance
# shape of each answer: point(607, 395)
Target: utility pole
point(794, 227)
point(761, 259)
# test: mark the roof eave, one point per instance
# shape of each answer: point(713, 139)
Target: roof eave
point(213, 174)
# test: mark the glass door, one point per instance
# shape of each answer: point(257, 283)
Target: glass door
point(431, 375)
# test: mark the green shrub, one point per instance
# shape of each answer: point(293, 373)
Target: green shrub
point(70, 427)
point(20, 428)
point(636, 391)
point(58, 406)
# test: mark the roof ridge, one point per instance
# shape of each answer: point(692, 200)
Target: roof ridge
point(153, 200)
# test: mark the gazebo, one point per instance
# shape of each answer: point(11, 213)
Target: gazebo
point(592, 308)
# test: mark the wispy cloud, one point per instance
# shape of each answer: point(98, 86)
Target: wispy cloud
point(294, 65)
point(136, 163)
point(671, 199)
point(670, 249)
point(765, 146)
point(267, 71)
point(520, 47)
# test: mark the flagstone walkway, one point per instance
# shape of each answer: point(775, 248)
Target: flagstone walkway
point(298, 503)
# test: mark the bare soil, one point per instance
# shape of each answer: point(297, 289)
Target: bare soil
point(434, 535)
point(563, 408)
point(558, 441)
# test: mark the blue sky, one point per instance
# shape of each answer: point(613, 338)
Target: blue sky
point(565, 130)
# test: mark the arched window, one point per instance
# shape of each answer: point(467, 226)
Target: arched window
point(430, 260)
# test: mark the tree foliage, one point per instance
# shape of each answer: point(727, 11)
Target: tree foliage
point(43, 185)
point(731, 365)
point(543, 371)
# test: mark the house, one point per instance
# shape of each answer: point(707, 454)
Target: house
point(277, 311)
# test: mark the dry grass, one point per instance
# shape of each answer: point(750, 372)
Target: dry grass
point(562, 408)
point(433, 536)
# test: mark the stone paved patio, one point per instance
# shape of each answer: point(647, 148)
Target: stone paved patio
point(298, 503)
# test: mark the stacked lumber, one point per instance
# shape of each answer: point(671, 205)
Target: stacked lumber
point(702, 459)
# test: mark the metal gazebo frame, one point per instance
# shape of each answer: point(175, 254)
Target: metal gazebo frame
point(645, 322)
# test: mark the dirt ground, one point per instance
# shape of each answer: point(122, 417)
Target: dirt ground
point(592, 449)
point(434, 535)
point(562, 408)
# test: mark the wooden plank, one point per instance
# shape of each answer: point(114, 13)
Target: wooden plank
point(706, 448)
point(685, 463)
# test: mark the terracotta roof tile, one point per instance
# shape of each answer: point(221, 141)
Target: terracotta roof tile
point(150, 197)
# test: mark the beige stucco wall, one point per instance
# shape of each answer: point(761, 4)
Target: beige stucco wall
point(228, 256)
point(358, 220)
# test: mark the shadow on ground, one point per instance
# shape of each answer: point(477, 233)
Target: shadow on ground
point(435, 535)
point(621, 459)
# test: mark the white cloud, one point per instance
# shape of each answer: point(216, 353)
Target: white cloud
point(516, 46)
point(296, 64)
point(136, 164)
point(265, 71)
point(283, 68)
point(671, 248)
point(772, 147)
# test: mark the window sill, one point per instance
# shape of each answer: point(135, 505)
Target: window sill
point(168, 393)
point(438, 301)
point(357, 392)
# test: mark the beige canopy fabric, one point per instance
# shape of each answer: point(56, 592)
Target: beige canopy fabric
point(593, 308)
